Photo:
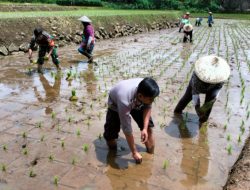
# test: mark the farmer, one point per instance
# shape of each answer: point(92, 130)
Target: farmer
point(210, 20)
point(132, 97)
point(184, 20)
point(88, 38)
point(210, 73)
point(188, 32)
point(198, 21)
point(46, 44)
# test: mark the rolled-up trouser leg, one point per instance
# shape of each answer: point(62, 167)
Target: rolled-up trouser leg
point(184, 100)
point(54, 56)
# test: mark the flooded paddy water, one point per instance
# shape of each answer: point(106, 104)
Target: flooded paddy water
point(48, 142)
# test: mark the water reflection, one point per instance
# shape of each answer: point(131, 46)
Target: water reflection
point(122, 171)
point(195, 159)
point(52, 92)
point(90, 79)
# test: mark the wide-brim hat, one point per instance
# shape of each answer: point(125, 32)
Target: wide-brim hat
point(212, 69)
point(187, 13)
point(210, 13)
point(85, 19)
point(188, 27)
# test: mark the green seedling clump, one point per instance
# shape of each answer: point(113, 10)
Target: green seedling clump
point(73, 96)
point(228, 137)
point(51, 158)
point(78, 132)
point(32, 174)
point(229, 149)
point(25, 151)
point(3, 168)
point(5, 147)
point(53, 115)
point(85, 147)
point(165, 164)
point(56, 178)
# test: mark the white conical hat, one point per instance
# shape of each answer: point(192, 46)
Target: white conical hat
point(84, 19)
point(212, 69)
point(188, 27)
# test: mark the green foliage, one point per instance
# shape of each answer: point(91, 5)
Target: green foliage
point(79, 2)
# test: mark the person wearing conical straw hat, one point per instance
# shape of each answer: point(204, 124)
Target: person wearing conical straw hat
point(210, 73)
point(210, 20)
point(188, 32)
point(88, 38)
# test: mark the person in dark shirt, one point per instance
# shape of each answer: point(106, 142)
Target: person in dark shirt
point(208, 78)
point(46, 45)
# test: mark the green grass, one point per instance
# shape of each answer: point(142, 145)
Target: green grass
point(235, 16)
point(88, 12)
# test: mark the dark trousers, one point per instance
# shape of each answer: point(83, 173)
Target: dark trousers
point(186, 34)
point(112, 126)
point(207, 106)
point(42, 52)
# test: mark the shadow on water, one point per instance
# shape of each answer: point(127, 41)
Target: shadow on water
point(195, 152)
point(122, 171)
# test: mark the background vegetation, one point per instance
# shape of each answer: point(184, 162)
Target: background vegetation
point(192, 5)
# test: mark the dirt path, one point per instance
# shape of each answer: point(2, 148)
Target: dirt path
point(43, 132)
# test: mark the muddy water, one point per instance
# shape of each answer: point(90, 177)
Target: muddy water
point(39, 122)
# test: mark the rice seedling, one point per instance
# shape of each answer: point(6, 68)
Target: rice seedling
point(78, 132)
point(73, 96)
point(53, 115)
point(225, 127)
point(73, 161)
point(39, 125)
point(165, 164)
point(32, 173)
point(25, 151)
point(56, 179)
point(5, 147)
point(42, 138)
point(51, 158)
point(248, 115)
point(228, 137)
point(85, 147)
point(70, 119)
point(24, 135)
point(3, 168)
point(239, 139)
point(229, 149)
point(63, 144)
point(100, 136)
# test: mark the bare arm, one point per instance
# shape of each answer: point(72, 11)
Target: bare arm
point(146, 117)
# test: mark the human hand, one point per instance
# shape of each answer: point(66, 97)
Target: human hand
point(137, 156)
point(144, 136)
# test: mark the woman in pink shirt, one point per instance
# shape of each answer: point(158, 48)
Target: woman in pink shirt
point(88, 38)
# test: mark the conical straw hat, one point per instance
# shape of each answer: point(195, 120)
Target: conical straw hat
point(188, 27)
point(85, 19)
point(212, 69)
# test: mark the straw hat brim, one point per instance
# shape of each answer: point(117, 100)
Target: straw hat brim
point(212, 69)
point(187, 27)
point(85, 19)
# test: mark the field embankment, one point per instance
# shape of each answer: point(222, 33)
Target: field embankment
point(65, 27)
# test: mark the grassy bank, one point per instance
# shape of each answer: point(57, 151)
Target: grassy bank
point(233, 16)
point(88, 12)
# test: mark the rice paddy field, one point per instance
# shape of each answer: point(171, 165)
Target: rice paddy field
point(49, 142)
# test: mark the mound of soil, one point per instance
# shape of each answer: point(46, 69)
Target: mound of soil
point(239, 176)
